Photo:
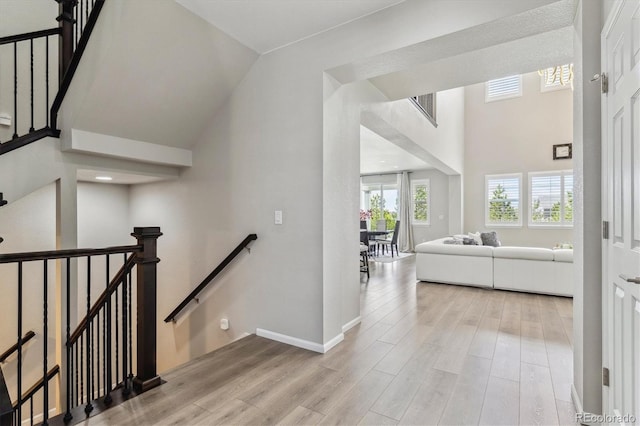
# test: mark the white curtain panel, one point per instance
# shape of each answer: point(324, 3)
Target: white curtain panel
point(405, 234)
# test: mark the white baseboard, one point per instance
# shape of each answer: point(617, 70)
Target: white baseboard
point(300, 343)
point(577, 404)
point(242, 336)
point(348, 326)
point(38, 417)
point(333, 342)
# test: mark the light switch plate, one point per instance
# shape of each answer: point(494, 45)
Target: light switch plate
point(278, 217)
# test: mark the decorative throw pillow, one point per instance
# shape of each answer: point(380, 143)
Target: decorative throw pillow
point(490, 239)
point(476, 236)
point(469, 242)
point(452, 241)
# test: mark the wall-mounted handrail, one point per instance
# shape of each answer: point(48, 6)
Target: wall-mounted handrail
point(210, 277)
point(6, 354)
point(30, 393)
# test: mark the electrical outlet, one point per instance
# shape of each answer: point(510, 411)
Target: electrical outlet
point(224, 324)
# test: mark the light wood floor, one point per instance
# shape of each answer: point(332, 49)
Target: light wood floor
point(423, 354)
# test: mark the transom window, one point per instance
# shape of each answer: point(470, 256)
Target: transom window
point(503, 88)
point(502, 202)
point(551, 198)
point(556, 78)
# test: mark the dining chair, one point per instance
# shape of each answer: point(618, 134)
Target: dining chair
point(393, 242)
point(381, 225)
point(364, 259)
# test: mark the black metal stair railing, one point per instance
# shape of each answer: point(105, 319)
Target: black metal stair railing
point(98, 350)
point(29, 58)
point(42, 65)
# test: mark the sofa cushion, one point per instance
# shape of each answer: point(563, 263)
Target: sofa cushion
point(476, 237)
point(527, 253)
point(454, 249)
point(490, 239)
point(563, 255)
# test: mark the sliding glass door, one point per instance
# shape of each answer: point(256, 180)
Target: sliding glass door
point(381, 201)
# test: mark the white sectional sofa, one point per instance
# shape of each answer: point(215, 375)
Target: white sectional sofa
point(529, 269)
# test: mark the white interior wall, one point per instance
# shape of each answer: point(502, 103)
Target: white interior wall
point(514, 136)
point(439, 187)
point(103, 221)
point(264, 151)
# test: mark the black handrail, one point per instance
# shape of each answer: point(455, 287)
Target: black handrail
point(37, 386)
point(211, 276)
point(75, 61)
point(29, 36)
point(99, 304)
point(30, 334)
point(63, 254)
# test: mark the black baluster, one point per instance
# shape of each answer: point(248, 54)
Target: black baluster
point(46, 106)
point(15, 90)
point(31, 411)
point(78, 370)
point(45, 337)
point(86, 12)
point(31, 129)
point(75, 25)
point(89, 406)
point(81, 13)
point(126, 389)
point(81, 369)
point(108, 379)
point(130, 345)
point(19, 377)
point(96, 356)
point(67, 416)
point(117, 334)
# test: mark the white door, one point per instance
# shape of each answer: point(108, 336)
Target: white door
point(621, 44)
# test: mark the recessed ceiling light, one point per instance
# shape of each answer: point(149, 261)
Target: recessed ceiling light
point(382, 161)
point(395, 167)
point(104, 178)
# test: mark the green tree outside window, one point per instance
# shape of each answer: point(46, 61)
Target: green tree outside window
point(500, 208)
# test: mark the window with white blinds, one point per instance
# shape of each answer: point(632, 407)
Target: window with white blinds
point(556, 78)
point(503, 200)
point(503, 88)
point(551, 198)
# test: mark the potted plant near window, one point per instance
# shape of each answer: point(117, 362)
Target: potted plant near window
point(365, 216)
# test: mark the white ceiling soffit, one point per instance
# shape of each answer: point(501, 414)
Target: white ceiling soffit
point(119, 178)
point(266, 25)
point(378, 155)
point(544, 19)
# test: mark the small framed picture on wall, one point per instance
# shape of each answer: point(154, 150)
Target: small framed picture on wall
point(562, 151)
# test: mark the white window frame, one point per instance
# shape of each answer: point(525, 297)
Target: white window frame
point(488, 98)
point(420, 182)
point(521, 207)
point(549, 225)
point(544, 87)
